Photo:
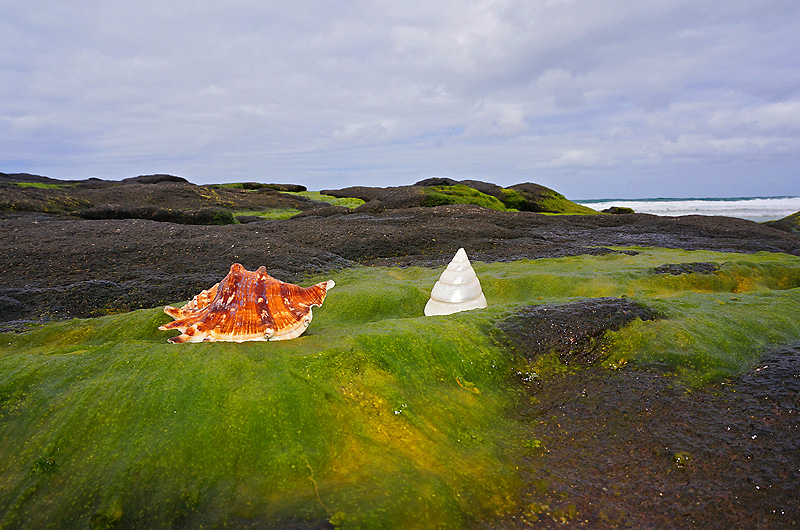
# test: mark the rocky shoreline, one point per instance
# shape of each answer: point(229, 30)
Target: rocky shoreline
point(59, 265)
point(600, 426)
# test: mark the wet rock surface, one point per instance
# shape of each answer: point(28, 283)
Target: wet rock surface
point(634, 449)
point(676, 269)
point(573, 330)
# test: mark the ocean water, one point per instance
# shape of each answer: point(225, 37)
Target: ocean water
point(757, 209)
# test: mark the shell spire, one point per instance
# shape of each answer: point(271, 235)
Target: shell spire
point(247, 305)
point(458, 288)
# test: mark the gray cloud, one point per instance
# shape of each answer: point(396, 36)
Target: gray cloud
point(595, 99)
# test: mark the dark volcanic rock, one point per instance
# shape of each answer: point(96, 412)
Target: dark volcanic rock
point(10, 308)
point(617, 210)
point(776, 381)
point(484, 187)
point(154, 179)
point(244, 219)
point(27, 177)
point(525, 197)
point(395, 197)
point(677, 269)
point(532, 191)
point(325, 211)
point(295, 188)
point(202, 216)
point(133, 263)
point(574, 330)
point(436, 181)
point(163, 192)
point(634, 449)
point(34, 199)
point(264, 187)
point(538, 198)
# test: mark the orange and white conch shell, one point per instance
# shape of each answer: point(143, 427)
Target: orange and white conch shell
point(247, 305)
point(458, 289)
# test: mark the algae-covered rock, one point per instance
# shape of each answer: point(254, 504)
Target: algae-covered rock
point(28, 178)
point(379, 417)
point(39, 197)
point(790, 223)
point(262, 187)
point(617, 210)
point(676, 269)
point(574, 330)
point(538, 198)
point(389, 198)
point(440, 191)
point(157, 197)
point(460, 194)
point(155, 179)
point(527, 196)
point(201, 216)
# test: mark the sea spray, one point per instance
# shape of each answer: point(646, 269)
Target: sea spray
point(757, 209)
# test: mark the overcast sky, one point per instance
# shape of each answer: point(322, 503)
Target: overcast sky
point(593, 98)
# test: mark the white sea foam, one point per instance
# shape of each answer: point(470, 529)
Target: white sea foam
point(758, 209)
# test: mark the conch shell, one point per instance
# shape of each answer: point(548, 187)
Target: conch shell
point(458, 289)
point(247, 305)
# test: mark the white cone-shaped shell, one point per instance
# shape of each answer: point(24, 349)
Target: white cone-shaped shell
point(458, 289)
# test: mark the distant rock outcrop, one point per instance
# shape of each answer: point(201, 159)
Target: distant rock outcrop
point(261, 186)
point(790, 223)
point(538, 198)
point(201, 216)
point(439, 191)
point(157, 197)
point(617, 210)
point(27, 177)
point(155, 179)
point(176, 198)
point(379, 199)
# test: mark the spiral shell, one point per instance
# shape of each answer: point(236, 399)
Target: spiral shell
point(458, 289)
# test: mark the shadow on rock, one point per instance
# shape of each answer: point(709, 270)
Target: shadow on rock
point(574, 330)
point(676, 269)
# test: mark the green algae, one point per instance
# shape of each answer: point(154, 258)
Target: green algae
point(347, 202)
point(269, 214)
point(460, 194)
point(554, 202)
point(366, 424)
point(377, 417)
point(709, 337)
point(42, 185)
